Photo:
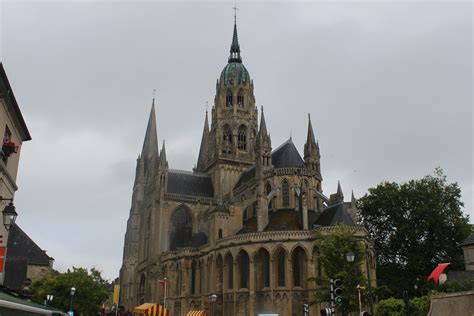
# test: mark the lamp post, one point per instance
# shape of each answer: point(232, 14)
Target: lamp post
point(213, 300)
point(369, 286)
point(9, 213)
point(72, 292)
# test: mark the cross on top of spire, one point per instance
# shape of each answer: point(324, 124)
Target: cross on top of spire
point(235, 47)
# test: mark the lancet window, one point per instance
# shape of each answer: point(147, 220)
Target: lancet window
point(242, 138)
point(240, 98)
point(285, 188)
point(229, 98)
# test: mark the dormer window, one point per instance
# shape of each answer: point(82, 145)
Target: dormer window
point(229, 98)
point(240, 98)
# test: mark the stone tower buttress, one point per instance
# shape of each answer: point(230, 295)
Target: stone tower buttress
point(263, 162)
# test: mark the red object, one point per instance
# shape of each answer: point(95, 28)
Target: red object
point(437, 272)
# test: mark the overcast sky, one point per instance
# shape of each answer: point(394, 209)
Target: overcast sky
point(388, 86)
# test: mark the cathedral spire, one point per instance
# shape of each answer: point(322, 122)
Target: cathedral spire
point(310, 147)
point(235, 47)
point(201, 164)
point(150, 144)
point(339, 190)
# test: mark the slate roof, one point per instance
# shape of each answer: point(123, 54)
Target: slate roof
point(20, 245)
point(186, 183)
point(15, 273)
point(469, 240)
point(287, 156)
point(246, 176)
point(333, 215)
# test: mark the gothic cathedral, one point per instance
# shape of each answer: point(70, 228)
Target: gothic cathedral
point(240, 227)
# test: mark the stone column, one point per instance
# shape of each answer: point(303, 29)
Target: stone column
point(252, 288)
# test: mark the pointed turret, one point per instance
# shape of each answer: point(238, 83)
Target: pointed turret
point(263, 138)
point(339, 190)
point(163, 164)
point(337, 197)
point(310, 145)
point(203, 150)
point(150, 144)
point(235, 47)
point(311, 149)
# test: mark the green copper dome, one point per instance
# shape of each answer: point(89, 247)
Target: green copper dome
point(235, 73)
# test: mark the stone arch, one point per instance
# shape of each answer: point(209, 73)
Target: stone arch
point(280, 264)
point(299, 266)
point(219, 280)
point(181, 227)
point(229, 271)
point(262, 268)
point(243, 268)
point(268, 190)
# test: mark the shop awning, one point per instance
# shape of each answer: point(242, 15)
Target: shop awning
point(196, 313)
point(151, 309)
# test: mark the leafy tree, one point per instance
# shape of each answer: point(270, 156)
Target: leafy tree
point(414, 226)
point(332, 250)
point(390, 307)
point(91, 290)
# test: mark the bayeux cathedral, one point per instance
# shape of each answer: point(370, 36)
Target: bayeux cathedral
point(236, 235)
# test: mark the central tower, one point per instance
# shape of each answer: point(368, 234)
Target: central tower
point(228, 148)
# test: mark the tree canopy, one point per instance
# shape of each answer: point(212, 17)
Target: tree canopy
point(91, 290)
point(332, 250)
point(414, 226)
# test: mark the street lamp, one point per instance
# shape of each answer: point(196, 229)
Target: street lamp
point(72, 292)
point(9, 213)
point(213, 300)
point(350, 256)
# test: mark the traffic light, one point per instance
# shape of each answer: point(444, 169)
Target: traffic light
point(338, 291)
point(326, 312)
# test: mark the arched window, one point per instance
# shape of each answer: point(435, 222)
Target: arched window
point(240, 98)
point(281, 258)
point(285, 194)
point(244, 216)
point(242, 138)
point(228, 98)
point(262, 270)
point(229, 262)
point(220, 274)
point(141, 288)
point(227, 140)
point(181, 228)
point(193, 277)
point(220, 233)
point(243, 263)
point(298, 259)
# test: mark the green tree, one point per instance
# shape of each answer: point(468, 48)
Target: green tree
point(332, 250)
point(414, 226)
point(91, 290)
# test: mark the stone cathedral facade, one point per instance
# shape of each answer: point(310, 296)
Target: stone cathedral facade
point(240, 225)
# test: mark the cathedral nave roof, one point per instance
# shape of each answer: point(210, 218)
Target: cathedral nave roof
point(187, 183)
